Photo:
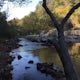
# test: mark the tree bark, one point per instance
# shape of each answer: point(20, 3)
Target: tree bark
point(62, 47)
point(65, 58)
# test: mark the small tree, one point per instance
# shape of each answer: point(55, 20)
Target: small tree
point(61, 47)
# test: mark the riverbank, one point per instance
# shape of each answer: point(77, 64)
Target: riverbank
point(33, 53)
point(6, 45)
point(50, 40)
point(51, 36)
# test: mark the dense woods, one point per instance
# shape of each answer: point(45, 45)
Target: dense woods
point(6, 30)
point(3, 25)
point(35, 22)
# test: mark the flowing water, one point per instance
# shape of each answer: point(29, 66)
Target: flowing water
point(23, 70)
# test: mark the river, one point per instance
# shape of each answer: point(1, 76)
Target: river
point(36, 52)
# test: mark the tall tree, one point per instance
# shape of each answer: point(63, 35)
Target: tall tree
point(3, 25)
point(61, 47)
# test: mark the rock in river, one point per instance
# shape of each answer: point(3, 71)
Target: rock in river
point(31, 62)
point(49, 68)
point(19, 57)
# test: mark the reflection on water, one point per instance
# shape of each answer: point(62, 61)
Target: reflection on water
point(75, 56)
point(47, 55)
point(22, 70)
point(75, 49)
point(37, 53)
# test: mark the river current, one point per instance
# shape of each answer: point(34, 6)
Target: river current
point(36, 52)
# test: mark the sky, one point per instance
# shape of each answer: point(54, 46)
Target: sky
point(14, 11)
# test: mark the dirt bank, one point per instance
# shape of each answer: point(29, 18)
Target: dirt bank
point(6, 45)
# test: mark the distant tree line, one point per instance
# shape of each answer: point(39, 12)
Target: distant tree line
point(39, 20)
point(36, 21)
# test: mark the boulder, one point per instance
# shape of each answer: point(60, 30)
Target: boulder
point(49, 68)
point(19, 57)
point(31, 62)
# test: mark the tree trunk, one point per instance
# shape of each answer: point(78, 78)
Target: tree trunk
point(61, 47)
point(65, 57)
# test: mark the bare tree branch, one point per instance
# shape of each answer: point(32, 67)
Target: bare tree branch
point(70, 13)
point(50, 14)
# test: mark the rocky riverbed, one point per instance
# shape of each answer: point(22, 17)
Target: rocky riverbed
point(51, 40)
point(30, 56)
point(6, 45)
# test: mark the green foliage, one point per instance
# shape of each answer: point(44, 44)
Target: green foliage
point(61, 8)
point(3, 26)
point(13, 28)
point(39, 20)
point(7, 29)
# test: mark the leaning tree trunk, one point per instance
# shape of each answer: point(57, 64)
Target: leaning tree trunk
point(65, 57)
point(61, 47)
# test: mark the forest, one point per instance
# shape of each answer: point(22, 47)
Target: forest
point(60, 16)
point(36, 21)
